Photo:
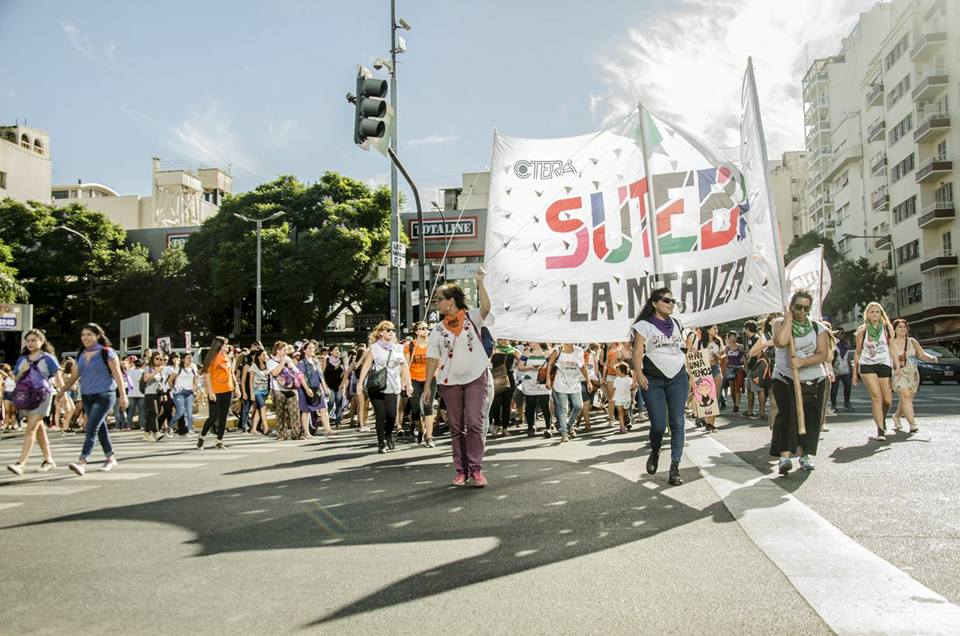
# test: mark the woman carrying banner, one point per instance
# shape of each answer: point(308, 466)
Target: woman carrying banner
point(907, 380)
point(455, 351)
point(811, 346)
point(660, 371)
point(874, 363)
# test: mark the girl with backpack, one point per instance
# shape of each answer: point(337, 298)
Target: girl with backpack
point(184, 383)
point(221, 387)
point(874, 364)
point(37, 373)
point(98, 370)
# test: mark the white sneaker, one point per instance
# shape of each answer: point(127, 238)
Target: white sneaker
point(110, 464)
point(148, 437)
point(16, 469)
point(46, 467)
point(80, 469)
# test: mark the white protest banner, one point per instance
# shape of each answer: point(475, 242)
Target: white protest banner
point(568, 255)
point(809, 272)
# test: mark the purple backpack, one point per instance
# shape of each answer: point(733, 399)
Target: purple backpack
point(31, 390)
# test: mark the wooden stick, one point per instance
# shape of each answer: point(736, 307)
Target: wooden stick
point(797, 392)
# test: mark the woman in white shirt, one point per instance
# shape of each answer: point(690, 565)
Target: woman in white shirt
point(183, 386)
point(873, 363)
point(385, 354)
point(455, 351)
point(565, 371)
point(536, 395)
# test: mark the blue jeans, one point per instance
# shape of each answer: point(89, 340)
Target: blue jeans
point(136, 406)
point(566, 419)
point(666, 400)
point(335, 405)
point(183, 402)
point(96, 406)
point(245, 415)
point(639, 400)
point(119, 415)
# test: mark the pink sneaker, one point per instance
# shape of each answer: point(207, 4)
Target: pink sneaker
point(478, 479)
point(460, 479)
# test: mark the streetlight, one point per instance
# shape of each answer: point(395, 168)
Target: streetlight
point(893, 259)
point(259, 223)
point(90, 272)
point(397, 45)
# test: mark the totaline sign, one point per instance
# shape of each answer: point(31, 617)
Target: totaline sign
point(463, 228)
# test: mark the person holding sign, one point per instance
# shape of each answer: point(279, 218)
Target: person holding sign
point(811, 344)
point(661, 374)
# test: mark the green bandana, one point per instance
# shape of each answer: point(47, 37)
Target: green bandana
point(801, 329)
point(508, 350)
point(874, 333)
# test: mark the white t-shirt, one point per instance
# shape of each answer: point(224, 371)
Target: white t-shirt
point(461, 359)
point(805, 346)
point(875, 352)
point(567, 375)
point(273, 364)
point(528, 379)
point(591, 362)
point(623, 390)
point(381, 355)
point(135, 374)
point(664, 352)
point(185, 378)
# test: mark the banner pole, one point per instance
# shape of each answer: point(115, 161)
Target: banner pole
point(649, 198)
point(820, 296)
point(798, 396)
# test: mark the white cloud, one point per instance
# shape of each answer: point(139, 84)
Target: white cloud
point(210, 136)
point(83, 44)
point(688, 64)
point(280, 131)
point(433, 139)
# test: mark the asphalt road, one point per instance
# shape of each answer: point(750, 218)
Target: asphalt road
point(329, 537)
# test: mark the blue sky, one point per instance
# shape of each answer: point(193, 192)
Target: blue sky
point(260, 85)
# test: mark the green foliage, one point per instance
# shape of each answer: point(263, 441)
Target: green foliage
point(806, 242)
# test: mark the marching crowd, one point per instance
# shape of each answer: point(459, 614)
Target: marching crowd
point(454, 376)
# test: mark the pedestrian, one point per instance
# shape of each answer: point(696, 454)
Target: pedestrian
point(458, 354)
point(565, 371)
point(661, 373)
point(623, 388)
point(421, 401)
point(220, 387)
point(841, 373)
point(504, 383)
point(589, 389)
point(184, 384)
point(610, 376)
point(259, 388)
point(754, 389)
point(151, 383)
point(906, 380)
point(708, 338)
point(98, 369)
point(334, 369)
point(383, 374)
point(246, 390)
point(536, 395)
point(811, 342)
point(38, 376)
point(135, 395)
point(312, 394)
point(171, 362)
point(733, 372)
point(873, 364)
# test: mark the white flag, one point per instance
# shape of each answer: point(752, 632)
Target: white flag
point(810, 272)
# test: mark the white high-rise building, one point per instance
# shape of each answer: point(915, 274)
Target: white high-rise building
point(788, 178)
point(880, 145)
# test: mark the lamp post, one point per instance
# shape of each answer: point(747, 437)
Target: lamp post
point(259, 223)
point(395, 47)
point(893, 259)
point(90, 273)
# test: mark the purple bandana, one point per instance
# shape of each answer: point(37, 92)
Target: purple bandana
point(664, 326)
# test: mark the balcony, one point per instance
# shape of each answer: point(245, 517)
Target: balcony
point(821, 204)
point(930, 83)
point(934, 168)
point(936, 214)
point(878, 164)
point(931, 123)
point(944, 259)
point(830, 224)
point(876, 130)
point(875, 95)
point(813, 82)
point(820, 153)
point(880, 200)
point(924, 44)
point(884, 242)
point(841, 157)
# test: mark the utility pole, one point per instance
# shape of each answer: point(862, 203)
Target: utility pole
point(259, 223)
point(394, 194)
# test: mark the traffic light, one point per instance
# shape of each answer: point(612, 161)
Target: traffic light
point(371, 108)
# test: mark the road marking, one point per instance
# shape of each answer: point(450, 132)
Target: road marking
point(32, 491)
point(95, 474)
point(7, 506)
point(852, 589)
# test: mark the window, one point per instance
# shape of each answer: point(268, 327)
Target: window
point(902, 169)
point(3, 180)
point(898, 91)
point(942, 149)
point(908, 252)
point(901, 129)
point(898, 49)
point(947, 241)
point(906, 209)
point(61, 194)
point(944, 194)
point(911, 294)
point(844, 179)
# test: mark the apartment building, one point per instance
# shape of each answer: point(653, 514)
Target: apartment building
point(25, 164)
point(788, 178)
point(880, 145)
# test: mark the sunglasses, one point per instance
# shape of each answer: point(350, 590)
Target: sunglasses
point(390, 329)
point(805, 308)
point(669, 301)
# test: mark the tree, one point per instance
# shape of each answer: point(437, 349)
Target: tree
point(317, 259)
point(856, 283)
point(806, 242)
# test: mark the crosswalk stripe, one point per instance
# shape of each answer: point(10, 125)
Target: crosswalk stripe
point(95, 474)
point(41, 491)
point(7, 506)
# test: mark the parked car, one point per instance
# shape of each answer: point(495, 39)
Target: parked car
point(947, 366)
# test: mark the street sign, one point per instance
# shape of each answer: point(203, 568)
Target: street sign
point(398, 255)
point(12, 318)
point(464, 228)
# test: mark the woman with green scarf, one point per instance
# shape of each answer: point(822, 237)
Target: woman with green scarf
point(874, 364)
point(811, 346)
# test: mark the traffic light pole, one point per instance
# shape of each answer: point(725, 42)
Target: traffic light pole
point(394, 194)
point(421, 244)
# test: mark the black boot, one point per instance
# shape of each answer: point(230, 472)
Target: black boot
point(653, 461)
point(674, 479)
point(390, 441)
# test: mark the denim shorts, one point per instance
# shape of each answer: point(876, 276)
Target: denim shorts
point(260, 397)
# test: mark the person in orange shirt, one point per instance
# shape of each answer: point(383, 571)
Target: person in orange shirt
point(610, 375)
point(415, 354)
point(218, 377)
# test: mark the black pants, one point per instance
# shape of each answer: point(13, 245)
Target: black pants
point(500, 408)
point(834, 388)
point(219, 410)
point(153, 407)
point(532, 402)
point(385, 413)
point(786, 436)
